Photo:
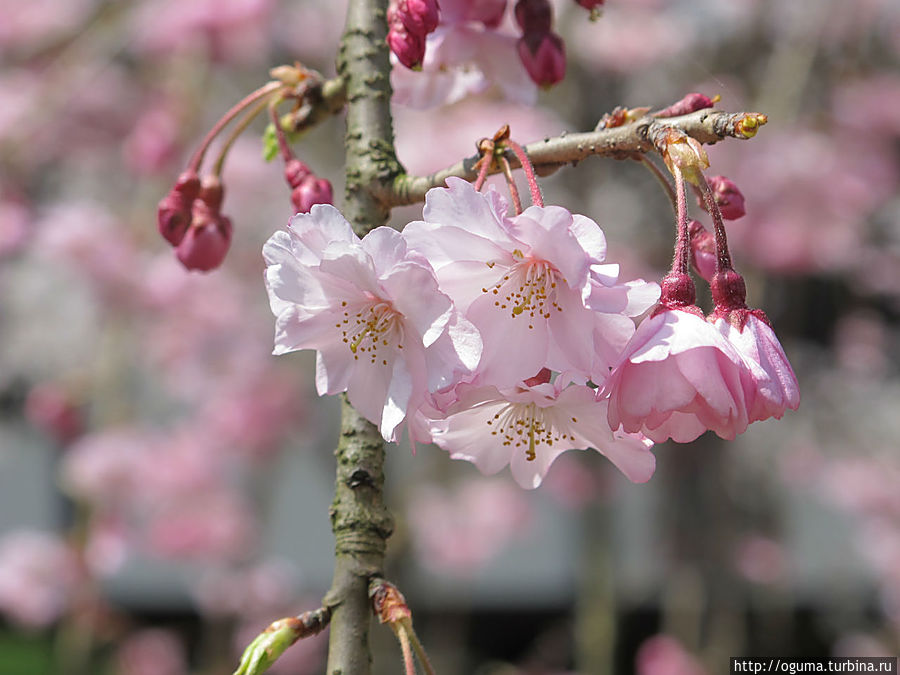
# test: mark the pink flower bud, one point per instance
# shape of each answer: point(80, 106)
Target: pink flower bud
point(408, 47)
point(418, 16)
point(703, 250)
point(534, 16)
point(690, 103)
point(544, 57)
point(311, 191)
point(208, 238)
point(590, 4)
point(295, 171)
point(728, 197)
point(173, 215)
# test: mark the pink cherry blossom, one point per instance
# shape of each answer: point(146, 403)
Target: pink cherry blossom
point(527, 427)
point(151, 651)
point(536, 280)
point(371, 309)
point(39, 577)
point(676, 378)
point(664, 655)
point(463, 59)
point(770, 386)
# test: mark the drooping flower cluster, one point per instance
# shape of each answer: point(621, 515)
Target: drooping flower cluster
point(455, 325)
point(507, 340)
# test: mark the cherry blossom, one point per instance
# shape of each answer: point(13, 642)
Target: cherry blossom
point(530, 425)
point(677, 378)
point(371, 309)
point(536, 280)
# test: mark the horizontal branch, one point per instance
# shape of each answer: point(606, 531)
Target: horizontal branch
point(641, 136)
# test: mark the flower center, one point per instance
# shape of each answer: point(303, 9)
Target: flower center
point(525, 425)
point(372, 331)
point(527, 289)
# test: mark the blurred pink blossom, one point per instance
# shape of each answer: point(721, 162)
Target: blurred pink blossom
point(266, 588)
point(39, 577)
point(458, 531)
point(27, 25)
point(664, 655)
point(151, 651)
point(14, 224)
point(304, 657)
point(761, 559)
point(154, 142)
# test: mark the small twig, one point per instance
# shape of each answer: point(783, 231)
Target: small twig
point(621, 142)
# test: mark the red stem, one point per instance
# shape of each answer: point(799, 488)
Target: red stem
point(537, 198)
point(238, 107)
point(723, 255)
point(483, 170)
point(683, 242)
point(283, 144)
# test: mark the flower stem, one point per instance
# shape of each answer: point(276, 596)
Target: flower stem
point(683, 241)
point(408, 662)
point(283, 144)
point(483, 170)
point(723, 255)
point(537, 198)
point(511, 182)
point(254, 96)
point(420, 652)
point(235, 133)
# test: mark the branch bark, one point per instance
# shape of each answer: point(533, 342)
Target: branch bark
point(706, 126)
point(359, 519)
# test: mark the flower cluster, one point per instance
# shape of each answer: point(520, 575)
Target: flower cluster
point(507, 340)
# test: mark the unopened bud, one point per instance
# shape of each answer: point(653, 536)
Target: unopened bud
point(418, 16)
point(749, 124)
point(544, 57)
point(703, 250)
point(173, 215)
point(728, 197)
point(268, 646)
point(409, 48)
point(295, 171)
point(311, 191)
point(690, 103)
point(208, 238)
point(388, 602)
point(534, 16)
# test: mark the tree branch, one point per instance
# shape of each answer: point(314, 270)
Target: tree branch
point(359, 519)
point(641, 136)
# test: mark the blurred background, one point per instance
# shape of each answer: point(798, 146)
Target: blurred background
point(164, 480)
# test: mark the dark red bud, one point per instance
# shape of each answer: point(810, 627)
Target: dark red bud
point(212, 193)
point(729, 291)
point(409, 48)
point(729, 198)
point(206, 242)
point(544, 57)
point(295, 171)
point(590, 4)
point(534, 16)
point(690, 103)
point(419, 17)
point(311, 191)
point(173, 215)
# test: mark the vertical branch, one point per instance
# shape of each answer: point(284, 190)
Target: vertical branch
point(359, 519)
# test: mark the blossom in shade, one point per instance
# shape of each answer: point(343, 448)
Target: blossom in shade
point(372, 310)
point(536, 281)
point(529, 425)
point(677, 377)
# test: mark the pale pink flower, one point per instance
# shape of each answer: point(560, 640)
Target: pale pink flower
point(536, 280)
point(770, 386)
point(677, 378)
point(761, 559)
point(527, 427)
point(463, 59)
point(371, 309)
point(39, 577)
point(459, 530)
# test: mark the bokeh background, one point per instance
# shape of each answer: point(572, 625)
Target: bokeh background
point(164, 480)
